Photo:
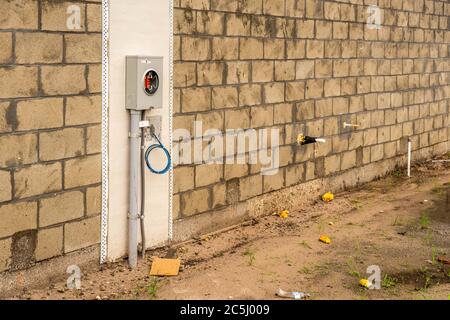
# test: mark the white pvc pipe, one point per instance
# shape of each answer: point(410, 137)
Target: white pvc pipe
point(409, 157)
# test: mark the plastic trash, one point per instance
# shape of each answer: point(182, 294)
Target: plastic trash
point(292, 295)
point(365, 283)
point(444, 260)
point(282, 214)
point(328, 197)
point(325, 239)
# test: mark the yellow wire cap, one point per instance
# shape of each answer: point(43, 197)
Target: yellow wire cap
point(325, 239)
point(328, 197)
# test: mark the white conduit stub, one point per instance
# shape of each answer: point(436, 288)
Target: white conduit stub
point(409, 157)
point(105, 131)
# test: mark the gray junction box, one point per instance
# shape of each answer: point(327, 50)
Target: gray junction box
point(144, 79)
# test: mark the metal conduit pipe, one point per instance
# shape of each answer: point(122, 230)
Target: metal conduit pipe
point(143, 188)
point(133, 214)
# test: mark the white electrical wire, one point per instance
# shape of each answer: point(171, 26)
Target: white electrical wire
point(105, 132)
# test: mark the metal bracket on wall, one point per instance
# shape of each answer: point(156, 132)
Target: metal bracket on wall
point(155, 127)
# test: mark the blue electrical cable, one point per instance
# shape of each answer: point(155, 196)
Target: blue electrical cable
point(155, 146)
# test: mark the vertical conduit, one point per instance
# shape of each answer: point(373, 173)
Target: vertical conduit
point(133, 214)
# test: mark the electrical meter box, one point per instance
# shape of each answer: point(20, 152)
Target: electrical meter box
point(144, 79)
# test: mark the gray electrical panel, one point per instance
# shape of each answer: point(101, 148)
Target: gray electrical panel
point(144, 79)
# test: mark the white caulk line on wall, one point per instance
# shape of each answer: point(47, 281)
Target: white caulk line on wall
point(105, 132)
point(171, 58)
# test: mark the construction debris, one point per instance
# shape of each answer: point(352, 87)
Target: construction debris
point(365, 283)
point(444, 260)
point(325, 239)
point(282, 214)
point(165, 267)
point(304, 140)
point(328, 197)
point(292, 295)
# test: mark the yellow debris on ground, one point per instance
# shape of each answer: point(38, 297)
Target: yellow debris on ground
point(328, 197)
point(282, 214)
point(364, 283)
point(325, 239)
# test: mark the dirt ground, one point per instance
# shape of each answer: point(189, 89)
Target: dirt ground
point(401, 225)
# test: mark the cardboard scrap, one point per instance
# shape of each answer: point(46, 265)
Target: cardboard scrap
point(444, 260)
point(165, 267)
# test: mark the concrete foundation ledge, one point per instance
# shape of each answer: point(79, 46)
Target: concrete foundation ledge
point(46, 272)
point(294, 197)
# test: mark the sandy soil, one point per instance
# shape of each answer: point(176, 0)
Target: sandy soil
point(401, 225)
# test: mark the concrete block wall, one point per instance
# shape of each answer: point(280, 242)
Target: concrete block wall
point(307, 66)
point(301, 66)
point(50, 114)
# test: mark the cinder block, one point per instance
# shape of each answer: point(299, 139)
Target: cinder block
point(61, 208)
point(17, 217)
point(274, 92)
point(237, 119)
point(6, 49)
point(19, 14)
point(60, 144)
point(83, 48)
point(94, 78)
point(250, 95)
point(94, 17)
point(238, 25)
point(251, 49)
point(224, 97)
point(210, 73)
point(261, 116)
point(219, 195)
point(54, 79)
point(274, 7)
point(89, 228)
point(93, 139)
point(83, 110)
point(55, 15)
point(37, 179)
point(39, 114)
point(194, 202)
point(38, 47)
point(18, 150)
point(5, 254)
point(5, 186)
point(82, 171)
point(93, 201)
point(183, 179)
point(12, 84)
point(49, 243)
point(195, 49)
point(250, 187)
point(195, 99)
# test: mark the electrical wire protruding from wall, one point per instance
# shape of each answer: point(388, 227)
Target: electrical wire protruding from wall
point(304, 140)
point(153, 147)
